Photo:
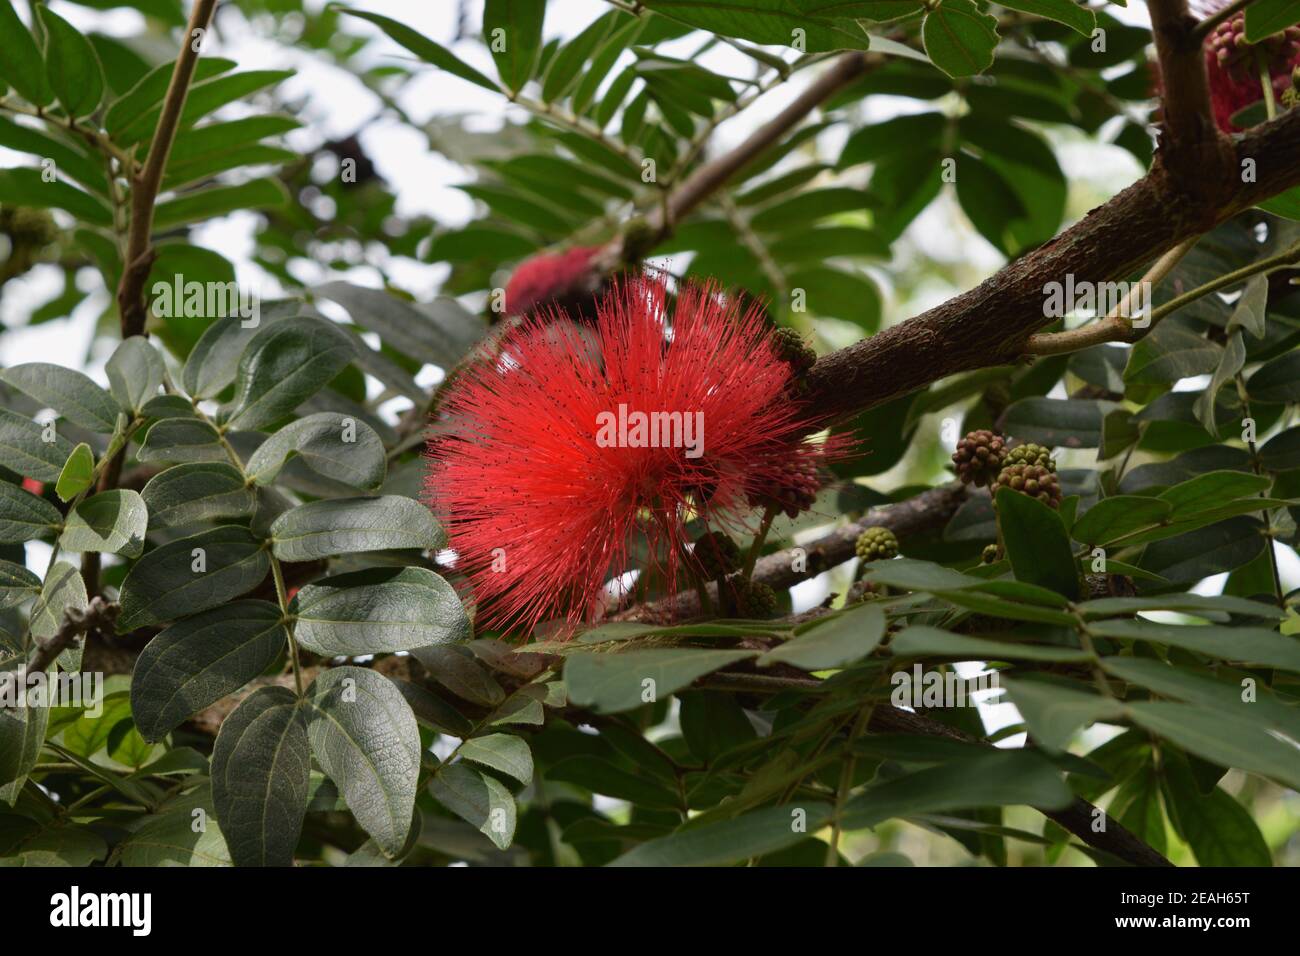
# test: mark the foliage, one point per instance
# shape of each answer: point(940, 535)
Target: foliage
point(304, 680)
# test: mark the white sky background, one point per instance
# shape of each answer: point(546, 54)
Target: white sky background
point(337, 104)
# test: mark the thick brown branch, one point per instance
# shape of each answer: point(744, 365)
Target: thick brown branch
point(139, 256)
point(990, 324)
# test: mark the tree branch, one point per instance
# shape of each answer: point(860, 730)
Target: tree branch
point(925, 512)
point(99, 615)
point(990, 324)
point(1194, 145)
point(708, 178)
point(147, 182)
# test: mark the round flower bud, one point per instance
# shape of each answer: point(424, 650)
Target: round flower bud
point(876, 544)
point(717, 555)
point(1033, 480)
point(978, 457)
point(1030, 454)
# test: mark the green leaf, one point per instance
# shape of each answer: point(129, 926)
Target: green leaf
point(135, 373)
point(365, 738)
point(1112, 518)
point(199, 491)
point(1037, 543)
point(1169, 353)
point(112, 521)
point(69, 392)
point(321, 529)
point(1220, 547)
point(913, 575)
point(1231, 362)
point(439, 334)
point(922, 641)
point(169, 838)
point(1054, 714)
point(958, 38)
point(731, 841)
point(1078, 18)
point(379, 610)
point(78, 473)
point(197, 661)
point(22, 733)
point(1278, 380)
point(456, 669)
point(17, 584)
point(286, 363)
point(1194, 687)
point(1057, 422)
point(63, 589)
point(562, 72)
point(23, 516)
point(21, 65)
point(1219, 830)
point(424, 48)
point(71, 65)
point(1221, 738)
point(261, 766)
point(182, 439)
point(477, 799)
point(504, 752)
point(1249, 311)
point(330, 444)
point(1208, 491)
point(1266, 17)
point(204, 96)
point(842, 639)
point(614, 682)
point(190, 575)
point(25, 187)
point(1252, 645)
point(1000, 778)
point(149, 91)
point(1216, 607)
point(712, 723)
point(785, 23)
point(216, 201)
point(25, 450)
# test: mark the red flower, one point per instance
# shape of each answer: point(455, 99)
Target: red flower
point(543, 477)
point(34, 486)
point(548, 277)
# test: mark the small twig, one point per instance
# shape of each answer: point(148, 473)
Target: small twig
point(1115, 327)
point(98, 615)
point(146, 184)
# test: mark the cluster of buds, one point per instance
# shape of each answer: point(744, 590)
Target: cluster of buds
point(795, 487)
point(1228, 46)
point(876, 544)
point(978, 457)
point(1033, 480)
point(717, 555)
point(743, 597)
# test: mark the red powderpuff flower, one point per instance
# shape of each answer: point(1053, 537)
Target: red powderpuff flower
point(549, 277)
point(555, 458)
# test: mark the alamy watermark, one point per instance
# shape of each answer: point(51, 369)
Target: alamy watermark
point(182, 298)
point(639, 429)
point(920, 688)
point(1129, 300)
point(22, 688)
